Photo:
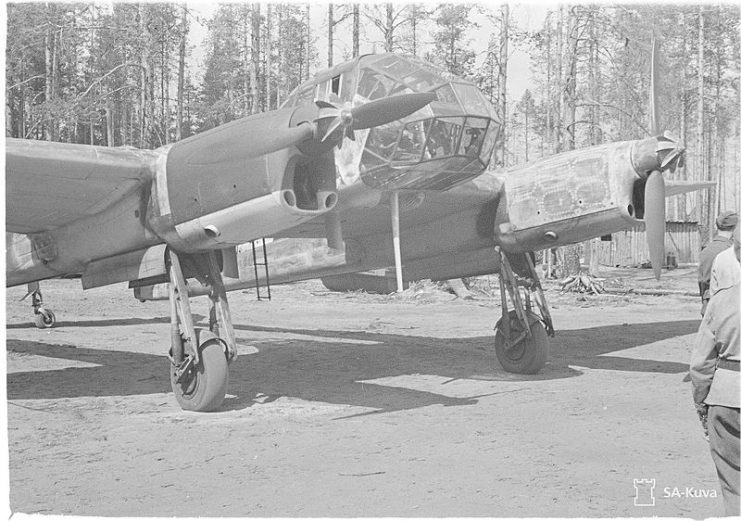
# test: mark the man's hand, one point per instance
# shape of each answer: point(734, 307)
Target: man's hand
point(702, 412)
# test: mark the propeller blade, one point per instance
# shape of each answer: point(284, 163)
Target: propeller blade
point(653, 100)
point(671, 136)
point(332, 127)
point(655, 219)
point(268, 142)
point(665, 145)
point(258, 145)
point(670, 157)
point(385, 110)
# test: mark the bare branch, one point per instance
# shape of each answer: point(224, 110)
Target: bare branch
point(99, 80)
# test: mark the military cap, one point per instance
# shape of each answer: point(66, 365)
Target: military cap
point(727, 220)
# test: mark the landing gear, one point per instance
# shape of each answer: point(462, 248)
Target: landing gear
point(43, 317)
point(199, 372)
point(201, 386)
point(521, 341)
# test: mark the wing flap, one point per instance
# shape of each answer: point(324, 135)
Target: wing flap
point(49, 184)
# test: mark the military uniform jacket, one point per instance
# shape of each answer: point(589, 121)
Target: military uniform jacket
point(714, 381)
point(707, 256)
point(726, 271)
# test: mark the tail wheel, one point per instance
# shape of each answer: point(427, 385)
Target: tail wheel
point(202, 387)
point(44, 318)
point(529, 355)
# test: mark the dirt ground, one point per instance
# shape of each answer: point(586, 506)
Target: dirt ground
point(354, 405)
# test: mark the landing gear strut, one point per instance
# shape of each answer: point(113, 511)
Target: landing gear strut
point(43, 317)
point(521, 340)
point(199, 372)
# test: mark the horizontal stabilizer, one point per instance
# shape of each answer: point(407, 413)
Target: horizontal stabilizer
point(683, 187)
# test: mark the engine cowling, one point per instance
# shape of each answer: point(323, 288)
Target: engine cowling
point(236, 183)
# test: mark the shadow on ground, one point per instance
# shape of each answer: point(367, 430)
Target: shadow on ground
point(103, 323)
point(330, 368)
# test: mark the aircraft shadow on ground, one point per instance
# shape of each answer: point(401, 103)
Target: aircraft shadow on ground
point(328, 367)
point(105, 322)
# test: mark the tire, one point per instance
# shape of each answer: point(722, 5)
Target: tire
point(530, 354)
point(44, 318)
point(203, 388)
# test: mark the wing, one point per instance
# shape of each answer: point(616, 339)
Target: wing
point(416, 208)
point(48, 185)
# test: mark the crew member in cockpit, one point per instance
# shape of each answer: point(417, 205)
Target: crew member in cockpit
point(472, 149)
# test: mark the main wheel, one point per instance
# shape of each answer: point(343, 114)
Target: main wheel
point(203, 387)
point(44, 318)
point(530, 354)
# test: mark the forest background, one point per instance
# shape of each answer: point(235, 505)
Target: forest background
point(129, 74)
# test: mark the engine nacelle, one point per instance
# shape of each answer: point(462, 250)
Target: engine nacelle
point(220, 188)
point(567, 198)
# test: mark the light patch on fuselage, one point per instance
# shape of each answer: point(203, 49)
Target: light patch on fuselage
point(28, 363)
point(559, 188)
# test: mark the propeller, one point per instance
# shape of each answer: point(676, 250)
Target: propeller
point(655, 193)
point(372, 114)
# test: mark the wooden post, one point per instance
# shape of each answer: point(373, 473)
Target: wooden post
point(397, 241)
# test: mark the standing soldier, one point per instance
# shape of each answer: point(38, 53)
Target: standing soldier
point(714, 370)
point(726, 223)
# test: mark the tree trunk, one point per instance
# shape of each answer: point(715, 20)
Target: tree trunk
point(388, 45)
point(330, 34)
point(308, 41)
point(143, 78)
point(355, 30)
point(268, 58)
point(593, 81)
point(179, 134)
point(503, 58)
point(164, 134)
point(572, 253)
point(569, 90)
point(278, 89)
point(559, 82)
point(717, 139)
point(682, 171)
point(549, 87)
point(415, 10)
point(255, 60)
point(705, 229)
point(49, 133)
point(247, 61)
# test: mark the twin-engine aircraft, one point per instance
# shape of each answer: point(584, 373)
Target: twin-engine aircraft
point(382, 143)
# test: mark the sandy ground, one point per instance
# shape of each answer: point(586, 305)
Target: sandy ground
point(360, 405)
